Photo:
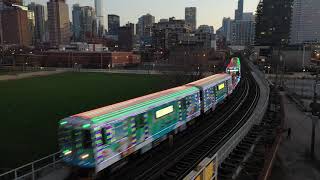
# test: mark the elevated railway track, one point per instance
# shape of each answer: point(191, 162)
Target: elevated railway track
point(203, 139)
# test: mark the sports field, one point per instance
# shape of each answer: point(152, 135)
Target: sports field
point(31, 108)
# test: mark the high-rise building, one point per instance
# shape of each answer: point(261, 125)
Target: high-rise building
point(58, 22)
point(31, 25)
point(76, 22)
point(273, 21)
point(126, 34)
point(84, 22)
point(226, 28)
point(14, 26)
point(100, 16)
point(205, 36)
point(243, 32)
point(305, 21)
point(88, 22)
point(166, 35)
point(239, 11)
point(39, 14)
point(206, 29)
point(144, 26)
point(191, 17)
point(248, 16)
point(113, 24)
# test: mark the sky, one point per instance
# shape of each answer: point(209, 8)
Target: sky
point(210, 12)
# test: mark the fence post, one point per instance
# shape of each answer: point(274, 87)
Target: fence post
point(54, 161)
point(15, 174)
point(33, 175)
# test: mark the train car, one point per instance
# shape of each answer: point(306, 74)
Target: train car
point(213, 90)
point(102, 137)
point(234, 69)
point(99, 138)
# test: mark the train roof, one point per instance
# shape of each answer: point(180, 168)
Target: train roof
point(211, 80)
point(131, 106)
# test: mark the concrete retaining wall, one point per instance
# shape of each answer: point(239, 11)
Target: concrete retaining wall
point(255, 118)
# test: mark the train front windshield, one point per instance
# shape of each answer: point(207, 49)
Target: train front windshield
point(76, 146)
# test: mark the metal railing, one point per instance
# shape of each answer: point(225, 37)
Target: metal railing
point(203, 170)
point(32, 170)
point(255, 118)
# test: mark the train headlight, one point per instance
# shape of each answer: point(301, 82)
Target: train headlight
point(67, 152)
point(84, 156)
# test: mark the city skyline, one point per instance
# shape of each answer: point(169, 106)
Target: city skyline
point(210, 12)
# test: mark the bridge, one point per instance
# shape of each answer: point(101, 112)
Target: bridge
point(205, 150)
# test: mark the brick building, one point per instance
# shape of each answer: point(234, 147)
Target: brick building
point(96, 60)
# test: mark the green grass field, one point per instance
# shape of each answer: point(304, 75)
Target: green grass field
point(31, 108)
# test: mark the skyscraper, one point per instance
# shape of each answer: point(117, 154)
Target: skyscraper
point(113, 24)
point(88, 22)
point(126, 34)
point(84, 22)
point(239, 11)
point(191, 17)
point(144, 25)
point(305, 21)
point(31, 25)
point(15, 29)
point(243, 31)
point(39, 14)
point(226, 28)
point(76, 22)
point(58, 22)
point(100, 16)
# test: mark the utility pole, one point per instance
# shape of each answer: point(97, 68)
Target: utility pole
point(101, 66)
point(277, 70)
point(315, 95)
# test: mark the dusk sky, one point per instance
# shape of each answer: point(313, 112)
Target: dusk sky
point(209, 12)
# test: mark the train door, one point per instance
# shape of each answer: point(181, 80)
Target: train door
point(141, 127)
point(182, 104)
point(213, 97)
point(221, 92)
point(193, 106)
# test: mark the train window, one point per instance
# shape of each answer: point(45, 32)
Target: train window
point(221, 86)
point(66, 136)
point(86, 141)
point(120, 131)
point(163, 112)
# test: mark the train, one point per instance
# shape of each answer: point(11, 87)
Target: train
point(100, 138)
